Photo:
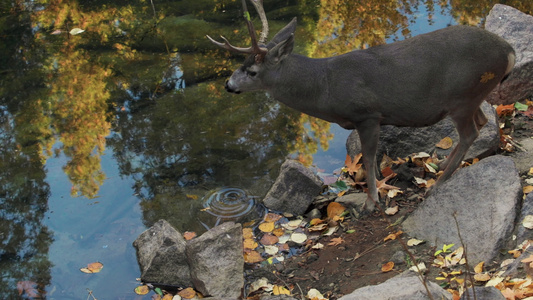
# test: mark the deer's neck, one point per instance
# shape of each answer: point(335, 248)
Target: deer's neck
point(301, 83)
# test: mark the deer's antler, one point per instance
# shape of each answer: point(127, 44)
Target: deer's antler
point(259, 51)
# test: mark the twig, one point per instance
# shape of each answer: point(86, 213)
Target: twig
point(90, 294)
point(467, 272)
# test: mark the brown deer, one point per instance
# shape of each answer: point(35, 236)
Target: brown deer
point(415, 82)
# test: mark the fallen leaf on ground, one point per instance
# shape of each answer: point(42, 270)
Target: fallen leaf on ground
point(315, 294)
point(352, 166)
point(392, 210)
point(280, 290)
point(335, 209)
point(527, 189)
point(187, 293)
point(393, 236)
point(336, 241)
point(482, 277)
point(387, 267)
point(479, 267)
point(445, 143)
point(414, 242)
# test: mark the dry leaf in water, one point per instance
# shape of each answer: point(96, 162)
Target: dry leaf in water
point(247, 233)
point(387, 267)
point(298, 237)
point(252, 257)
point(269, 239)
point(267, 226)
point(142, 290)
point(250, 244)
point(94, 267)
point(272, 217)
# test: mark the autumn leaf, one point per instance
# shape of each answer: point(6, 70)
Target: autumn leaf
point(142, 290)
point(383, 188)
point(298, 237)
point(445, 143)
point(94, 267)
point(387, 267)
point(267, 226)
point(392, 210)
point(187, 293)
point(189, 235)
point(269, 239)
point(393, 236)
point(252, 257)
point(29, 288)
point(336, 241)
point(247, 233)
point(280, 290)
point(335, 209)
point(353, 166)
point(505, 110)
point(272, 217)
point(278, 232)
point(250, 244)
point(479, 267)
point(414, 242)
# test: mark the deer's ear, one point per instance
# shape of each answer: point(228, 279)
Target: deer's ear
point(283, 34)
point(281, 50)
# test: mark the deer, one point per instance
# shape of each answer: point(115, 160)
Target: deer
point(415, 82)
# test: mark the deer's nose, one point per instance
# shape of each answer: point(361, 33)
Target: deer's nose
point(229, 89)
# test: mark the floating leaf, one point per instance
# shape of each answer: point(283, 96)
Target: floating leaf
point(278, 232)
point(142, 290)
point(271, 250)
point(269, 239)
point(94, 267)
point(29, 289)
point(298, 237)
point(247, 233)
point(272, 217)
point(76, 31)
point(445, 143)
point(267, 226)
point(250, 244)
point(252, 257)
point(527, 189)
point(292, 225)
point(387, 267)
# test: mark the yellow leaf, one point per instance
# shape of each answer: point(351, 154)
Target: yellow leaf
point(193, 197)
point(316, 221)
point(267, 226)
point(247, 233)
point(250, 244)
point(94, 267)
point(445, 143)
point(387, 267)
point(527, 189)
point(280, 290)
point(479, 267)
point(142, 290)
point(252, 257)
point(278, 232)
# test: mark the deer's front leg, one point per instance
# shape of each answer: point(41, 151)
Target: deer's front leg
point(369, 137)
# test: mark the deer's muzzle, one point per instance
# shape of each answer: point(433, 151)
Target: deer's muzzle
point(229, 89)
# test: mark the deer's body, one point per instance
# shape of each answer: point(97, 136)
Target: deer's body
point(416, 82)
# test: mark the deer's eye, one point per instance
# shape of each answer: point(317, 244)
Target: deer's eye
point(252, 73)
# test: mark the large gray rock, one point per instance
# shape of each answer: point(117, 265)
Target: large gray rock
point(482, 292)
point(161, 255)
point(523, 233)
point(294, 189)
point(516, 28)
point(216, 261)
point(402, 141)
point(406, 286)
point(484, 198)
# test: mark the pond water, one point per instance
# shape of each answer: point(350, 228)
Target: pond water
point(106, 131)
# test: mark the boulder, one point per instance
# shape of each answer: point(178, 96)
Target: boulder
point(161, 255)
point(294, 189)
point(482, 292)
point(406, 286)
point(515, 27)
point(216, 261)
point(483, 198)
point(403, 141)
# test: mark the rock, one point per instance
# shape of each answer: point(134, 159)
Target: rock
point(216, 261)
point(515, 27)
point(161, 255)
point(402, 141)
point(294, 189)
point(279, 297)
point(483, 292)
point(523, 233)
point(484, 198)
point(406, 286)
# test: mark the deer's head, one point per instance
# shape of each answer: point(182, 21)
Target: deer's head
point(263, 61)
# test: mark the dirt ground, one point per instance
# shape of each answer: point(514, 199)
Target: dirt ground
point(337, 270)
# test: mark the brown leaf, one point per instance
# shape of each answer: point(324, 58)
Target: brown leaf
point(393, 236)
point(189, 235)
point(29, 288)
point(445, 143)
point(353, 166)
point(94, 267)
point(387, 267)
point(336, 241)
point(272, 217)
point(142, 290)
point(269, 239)
point(252, 257)
point(505, 110)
